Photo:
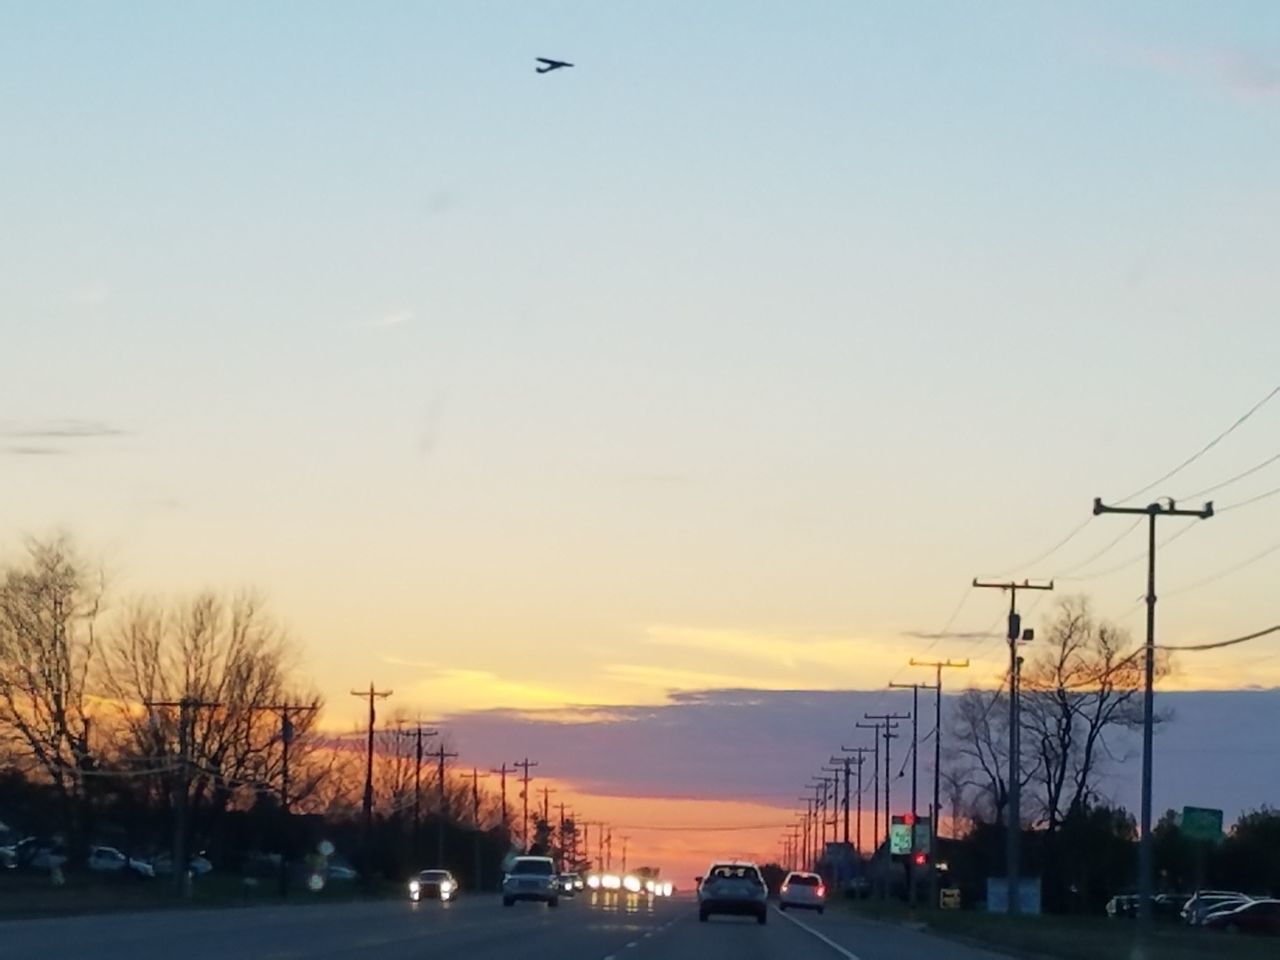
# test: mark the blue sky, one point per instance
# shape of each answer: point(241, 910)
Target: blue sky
point(765, 327)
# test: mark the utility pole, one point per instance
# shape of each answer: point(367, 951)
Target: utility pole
point(625, 841)
point(1015, 635)
point(803, 852)
point(608, 848)
point(287, 712)
point(1146, 872)
point(885, 725)
point(875, 783)
point(503, 771)
point(524, 765)
point(935, 811)
point(475, 778)
point(846, 767)
point(546, 805)
point(915, 777)
point(417, 734)
point(440, 755)
point(562, 805)
point(835, 785)
point(861, 754)
point(371, 695)
point(187, 708)
point(820, 811)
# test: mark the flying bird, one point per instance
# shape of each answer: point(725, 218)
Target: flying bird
point(549, 65)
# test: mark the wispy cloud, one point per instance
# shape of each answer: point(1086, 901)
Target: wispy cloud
point(94, 296)
point(1244, 73)
point(951, 635)
point(60, 429)
point(31, 451)
point(392, 318)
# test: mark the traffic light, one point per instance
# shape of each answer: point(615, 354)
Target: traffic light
point(921, 859)
point(909, 819)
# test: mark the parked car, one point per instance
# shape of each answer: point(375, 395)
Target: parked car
point(34, 853)
point(339, 869)
point(733, 888)
point(197, 864)
point(433, 885)
point(111, 860)
point(1205, 902)
point(1254, 916)
point(531, 878)
point(802, 891)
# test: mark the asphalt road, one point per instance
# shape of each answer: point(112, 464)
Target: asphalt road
point(590, 927)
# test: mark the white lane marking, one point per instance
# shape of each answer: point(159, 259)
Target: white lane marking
point(631, 945)
point(814, 933)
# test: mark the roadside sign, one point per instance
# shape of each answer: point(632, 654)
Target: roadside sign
point(922, 837)
point(1202, 823)
point(900, 836)
point(949, 898)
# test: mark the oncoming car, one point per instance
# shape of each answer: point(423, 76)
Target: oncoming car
point(733, 888)
point(531, 878)
point(802, 891)
point(433, 885)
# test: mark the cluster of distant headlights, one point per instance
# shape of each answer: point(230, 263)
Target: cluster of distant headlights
point(629, 883)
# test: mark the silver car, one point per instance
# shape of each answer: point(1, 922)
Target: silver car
point(802, 891)
point(531, 878)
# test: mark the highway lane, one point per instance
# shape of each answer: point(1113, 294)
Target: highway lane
point(590, 927)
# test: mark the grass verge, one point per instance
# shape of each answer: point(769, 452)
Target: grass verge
point(1073, 938)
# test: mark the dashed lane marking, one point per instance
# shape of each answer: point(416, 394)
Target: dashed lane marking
point(815, 934)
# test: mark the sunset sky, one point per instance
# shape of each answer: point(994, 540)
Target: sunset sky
point(721, 361)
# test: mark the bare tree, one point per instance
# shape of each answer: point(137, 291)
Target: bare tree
point(49, 609)
point(1083, 684)
point(228, 654)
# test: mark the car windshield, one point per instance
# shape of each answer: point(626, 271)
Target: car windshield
point(541, 868)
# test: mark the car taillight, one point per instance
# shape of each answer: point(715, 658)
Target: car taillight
point(822, 891)
point(786, 887)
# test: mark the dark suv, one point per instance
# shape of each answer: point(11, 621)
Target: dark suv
point(733, 888)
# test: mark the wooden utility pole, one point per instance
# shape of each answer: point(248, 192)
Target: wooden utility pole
point(1013, 820)
point(1154, 511)
point(372, 695)
point(935, 810)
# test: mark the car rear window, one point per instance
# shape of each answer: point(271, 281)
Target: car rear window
point(732, 872)
point(804, 880)
point(434, 876)
point(541, 868)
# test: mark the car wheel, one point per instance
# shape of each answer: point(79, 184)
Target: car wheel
point(820, 909)
point(782, 907)
point(762, 917)
point(507, 901)
point(702, 916)
point(553, 903)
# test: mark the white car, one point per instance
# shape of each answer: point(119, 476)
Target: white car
point(531, 878)
point(802, 891)
point(111, 860)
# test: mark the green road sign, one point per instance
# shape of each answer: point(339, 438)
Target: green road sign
point(1202, 823)
point(899, 837)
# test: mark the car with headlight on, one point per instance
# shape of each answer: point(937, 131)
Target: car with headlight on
point(802, 891)
point(433, 885)
point(733, 888)
point(570, 884)
point(531, 878)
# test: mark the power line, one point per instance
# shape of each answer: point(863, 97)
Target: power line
point(1218, 645)
point(1207, 447)
point(1252, 500)
point(1136, 558)
point(1230, 480)
point(1063, 574)
point(1077, 530)
point(1214, 578)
